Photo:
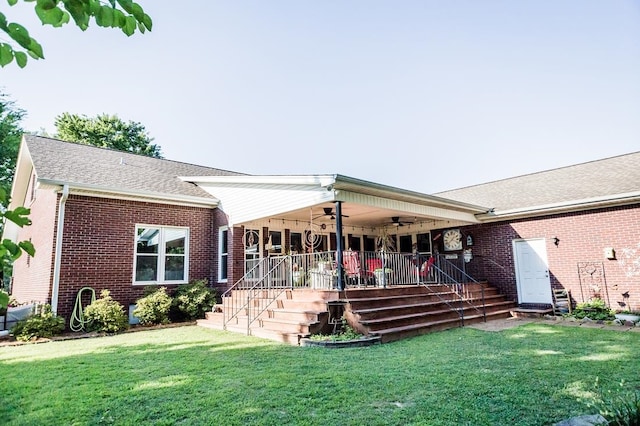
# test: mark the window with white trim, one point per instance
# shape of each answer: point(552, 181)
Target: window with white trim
point(161, 255)
point(223, 253)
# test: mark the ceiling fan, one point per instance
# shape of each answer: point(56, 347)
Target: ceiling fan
point(395, 221)
point(328, 212)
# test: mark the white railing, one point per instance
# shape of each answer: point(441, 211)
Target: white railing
point(267, 278)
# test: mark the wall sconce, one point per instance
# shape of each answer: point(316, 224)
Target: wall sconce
point(556, 241)
point(609, 253)
point(469, 240)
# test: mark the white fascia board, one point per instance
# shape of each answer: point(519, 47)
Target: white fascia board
point(124, 194)
point(385, 191)
point(313, 180)
point(564, 207)
point(21, 177)
point(432, 211)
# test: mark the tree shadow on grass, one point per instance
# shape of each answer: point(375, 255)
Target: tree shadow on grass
point(198, 376)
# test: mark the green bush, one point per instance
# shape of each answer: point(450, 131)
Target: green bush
point(154, 307)
point(106, 315)
point(622, 409)
point(595, 309)
point(41, 324)
point(191, 301)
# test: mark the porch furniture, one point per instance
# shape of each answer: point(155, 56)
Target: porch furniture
point(372, 265)
point(351, 263)
point(425, 269)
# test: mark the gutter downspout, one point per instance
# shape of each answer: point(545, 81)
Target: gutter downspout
point(58, 253)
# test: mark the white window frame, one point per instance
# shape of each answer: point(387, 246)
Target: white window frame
point(223, 254)
point(161, 255)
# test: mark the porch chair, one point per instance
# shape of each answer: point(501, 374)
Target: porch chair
point(561, 301)
point(351, 263)
point(425, 269)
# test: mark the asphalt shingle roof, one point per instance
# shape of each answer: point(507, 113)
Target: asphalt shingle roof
point(601, 178)
point(114, 170)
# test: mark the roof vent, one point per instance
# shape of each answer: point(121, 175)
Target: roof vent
point(122, 163)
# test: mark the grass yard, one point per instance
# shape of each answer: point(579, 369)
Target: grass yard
point(535, 374)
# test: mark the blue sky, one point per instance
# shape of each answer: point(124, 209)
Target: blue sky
point(424, 95)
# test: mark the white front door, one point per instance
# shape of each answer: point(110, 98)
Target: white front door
point(532, 271)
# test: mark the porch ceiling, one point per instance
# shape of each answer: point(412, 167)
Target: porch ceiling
point(247, 199)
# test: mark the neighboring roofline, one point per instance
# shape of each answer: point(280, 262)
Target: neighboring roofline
point(491, 182)
point(339, 182)
point(563, 207)
point(144, 196)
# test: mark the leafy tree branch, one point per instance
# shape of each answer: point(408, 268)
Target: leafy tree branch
point(124, 14)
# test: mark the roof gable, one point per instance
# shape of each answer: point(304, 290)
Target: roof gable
point(59, 162)
point(606, 179)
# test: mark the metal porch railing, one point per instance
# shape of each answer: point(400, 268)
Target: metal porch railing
point(461, 283)
point(267, 278)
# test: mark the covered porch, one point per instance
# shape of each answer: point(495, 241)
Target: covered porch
point(308, 244)
point(335, 231)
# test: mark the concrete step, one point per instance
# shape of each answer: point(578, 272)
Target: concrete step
point(283, 337)
point(288, 326)
point(302, 305)
point(530, 313)
point(304, 316)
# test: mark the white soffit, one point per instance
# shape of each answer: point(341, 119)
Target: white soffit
point(245, 203)
point(249, 198)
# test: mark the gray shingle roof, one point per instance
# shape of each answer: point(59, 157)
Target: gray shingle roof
point(601, 178)
point(86, 165)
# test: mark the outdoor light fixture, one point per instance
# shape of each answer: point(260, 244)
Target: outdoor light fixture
point(556, 241)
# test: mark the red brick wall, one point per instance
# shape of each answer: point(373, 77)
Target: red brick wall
point(98, 245)
point(32, 276)
point(582, 238)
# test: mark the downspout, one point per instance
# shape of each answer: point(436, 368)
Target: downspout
point(58, 253)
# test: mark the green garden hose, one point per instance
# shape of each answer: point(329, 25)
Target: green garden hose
point(77, 321)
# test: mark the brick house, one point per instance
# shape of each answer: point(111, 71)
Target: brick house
point(109, 219)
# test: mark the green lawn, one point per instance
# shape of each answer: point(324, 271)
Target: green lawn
point(531, 375)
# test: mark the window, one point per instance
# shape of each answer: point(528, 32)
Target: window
point(223, 253)
point(274, 244)
point(161, 255)
point(424, 243)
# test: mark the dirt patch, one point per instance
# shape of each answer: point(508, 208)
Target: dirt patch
point(502, 324)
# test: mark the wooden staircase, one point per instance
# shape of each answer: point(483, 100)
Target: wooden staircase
point(293, 315)
point(393, 313)
point(399, 312)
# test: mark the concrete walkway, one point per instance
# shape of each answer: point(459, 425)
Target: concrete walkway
point(507, 323)
point(502, 324)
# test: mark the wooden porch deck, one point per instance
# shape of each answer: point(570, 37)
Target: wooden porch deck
point(392, 313)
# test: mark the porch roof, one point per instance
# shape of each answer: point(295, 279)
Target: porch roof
point(294, 197)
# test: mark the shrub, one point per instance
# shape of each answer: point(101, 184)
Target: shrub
point(105, 315)
point(595, 309)
point(191, 301)
point(622, 409)
point(153, 308)
point(41, 324)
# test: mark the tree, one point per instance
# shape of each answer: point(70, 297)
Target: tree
point(106, 131)
point(10, 251)
point(10, 136)
point(123, 14)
